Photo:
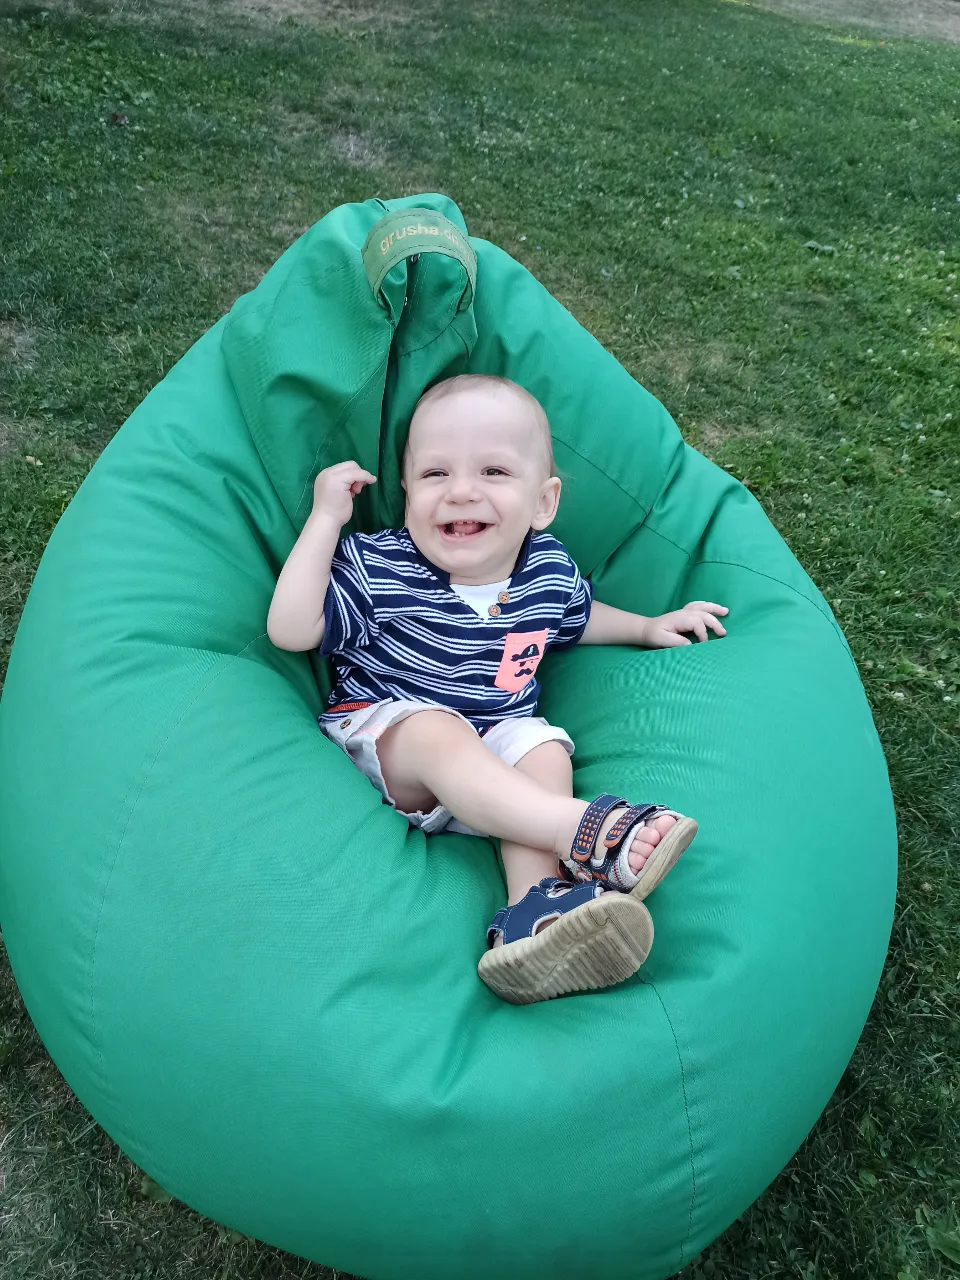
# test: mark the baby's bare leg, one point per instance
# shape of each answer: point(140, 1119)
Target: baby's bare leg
point(549, 765)
point(433, 756)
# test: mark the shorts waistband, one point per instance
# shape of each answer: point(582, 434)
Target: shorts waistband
point(342, 707)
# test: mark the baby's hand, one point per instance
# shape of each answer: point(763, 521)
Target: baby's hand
point(335, 489)
point(666, 631)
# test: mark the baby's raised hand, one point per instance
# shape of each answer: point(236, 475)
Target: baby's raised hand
point(335, 489)
point(667, 631)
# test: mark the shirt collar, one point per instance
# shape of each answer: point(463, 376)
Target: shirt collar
point(417, 555)
point(441, 574)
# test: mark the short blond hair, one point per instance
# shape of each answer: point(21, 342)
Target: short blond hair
point(469, 381)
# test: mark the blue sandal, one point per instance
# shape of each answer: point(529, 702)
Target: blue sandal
point(611, 866)
point(595, 939)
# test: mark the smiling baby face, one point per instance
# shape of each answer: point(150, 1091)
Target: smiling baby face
point(477, 472)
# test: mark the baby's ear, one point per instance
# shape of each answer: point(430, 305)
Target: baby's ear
point(547, 506)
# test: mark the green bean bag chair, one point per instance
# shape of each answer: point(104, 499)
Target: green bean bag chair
point(257, 979)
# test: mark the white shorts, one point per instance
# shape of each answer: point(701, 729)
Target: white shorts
point(357, 731)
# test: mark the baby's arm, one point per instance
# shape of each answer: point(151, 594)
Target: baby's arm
point(295, 620)
point(615, 626)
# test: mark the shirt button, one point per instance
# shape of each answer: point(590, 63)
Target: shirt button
point(344, 724)
point(504, 597)
point(494, 611)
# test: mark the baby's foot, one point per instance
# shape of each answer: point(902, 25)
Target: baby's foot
point(645, 839)
point(642, 852)
point(560, 938)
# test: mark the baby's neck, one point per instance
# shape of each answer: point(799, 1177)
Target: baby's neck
point(484, 576)
point(487, 581)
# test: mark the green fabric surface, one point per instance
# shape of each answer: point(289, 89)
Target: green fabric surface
point(260, 982)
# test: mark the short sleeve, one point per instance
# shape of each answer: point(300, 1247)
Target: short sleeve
point(348, 613)
point(577, 613)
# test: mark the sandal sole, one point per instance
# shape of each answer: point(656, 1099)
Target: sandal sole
point(664, 857)
point(597, 945)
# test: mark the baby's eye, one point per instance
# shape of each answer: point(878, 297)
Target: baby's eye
point(494, 471)
point(433, 473)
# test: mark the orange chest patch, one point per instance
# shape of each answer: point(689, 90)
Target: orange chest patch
point(522, 651)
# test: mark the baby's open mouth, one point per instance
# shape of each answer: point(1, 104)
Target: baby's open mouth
point(463, 528)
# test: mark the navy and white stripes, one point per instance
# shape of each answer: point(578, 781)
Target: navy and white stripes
point(395, 629)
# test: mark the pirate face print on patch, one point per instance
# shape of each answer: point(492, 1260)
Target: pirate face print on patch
point(522, 651)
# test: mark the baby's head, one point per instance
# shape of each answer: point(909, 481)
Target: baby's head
point(478, 474)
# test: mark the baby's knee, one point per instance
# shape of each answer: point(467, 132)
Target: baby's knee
point(410, 749)
point(427, 728)
point(404, 745)
point(549, 764)
point(552, 752)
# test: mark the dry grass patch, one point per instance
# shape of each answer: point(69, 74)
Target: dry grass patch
point(672, 366)
point(356, 150)
point(675, 363)
point(223, 243)
point(17, 343)
point(321, 12)
point(192, 218)
point(923, 19)
point(298, 124)
point(21, 436)
point(16, 578)
point(346, 144)
point(710, 437)
point(206, 13)
point(287, 232)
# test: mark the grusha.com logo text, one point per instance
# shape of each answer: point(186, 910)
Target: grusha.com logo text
point(419, 229)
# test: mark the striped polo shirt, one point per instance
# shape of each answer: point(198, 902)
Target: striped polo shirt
point(395, 628)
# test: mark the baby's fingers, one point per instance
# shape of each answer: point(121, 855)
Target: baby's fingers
point(708, 607)
point(345, 474)
point(348, 470)
point(714, 624)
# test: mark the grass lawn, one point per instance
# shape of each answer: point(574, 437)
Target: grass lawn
point(761, 219)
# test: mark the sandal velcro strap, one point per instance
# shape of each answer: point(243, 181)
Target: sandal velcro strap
point(629, 818)
point(608, 861)
point(548, 900)
point(585, 840)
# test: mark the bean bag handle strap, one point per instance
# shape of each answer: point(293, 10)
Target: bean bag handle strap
point(406, 233)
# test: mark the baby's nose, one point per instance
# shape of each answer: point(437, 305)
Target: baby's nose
point(461, 489)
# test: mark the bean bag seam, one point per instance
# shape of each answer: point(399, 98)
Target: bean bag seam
point(358, 394)
point(733, 564)
point(224, 666)
point(417, 289)
point(632, 497)
point(237, 313)
point(344, 411)
point(789, 586)
point(686, 1111)
point(272, 306)
point(449, 319)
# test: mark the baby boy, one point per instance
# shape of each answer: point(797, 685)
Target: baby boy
point(436, 631)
